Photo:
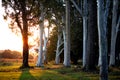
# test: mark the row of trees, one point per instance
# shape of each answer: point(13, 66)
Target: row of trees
point(24, 14)
point(96, 16)
point(104, 12)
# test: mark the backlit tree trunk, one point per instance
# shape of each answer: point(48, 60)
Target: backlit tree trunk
point(46, 38)
point(25, 36)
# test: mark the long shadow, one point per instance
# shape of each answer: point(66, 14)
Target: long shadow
point(26, 75)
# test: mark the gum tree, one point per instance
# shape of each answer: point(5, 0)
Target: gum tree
point(22, 14)
point(115, 27)
point(103, 11)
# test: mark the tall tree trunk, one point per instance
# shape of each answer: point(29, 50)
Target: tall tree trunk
point(25, 37)
point(102, 29)
point(67, 34)
point(45, 51)
point(85, 26)
point(57, 58)
point(40, 55)
point(91, 36)
point(59, 43)
point(45, 47)
point(114, 33)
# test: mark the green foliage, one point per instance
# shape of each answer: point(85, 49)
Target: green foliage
point(76, 40)
point(52, 45)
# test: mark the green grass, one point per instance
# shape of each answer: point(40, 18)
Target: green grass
point(49, 72)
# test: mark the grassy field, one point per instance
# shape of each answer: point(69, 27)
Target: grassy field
point(11, 71)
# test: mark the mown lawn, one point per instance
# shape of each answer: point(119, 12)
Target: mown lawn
point(11, 71)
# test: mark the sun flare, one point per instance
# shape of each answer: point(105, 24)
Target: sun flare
point(9, 40)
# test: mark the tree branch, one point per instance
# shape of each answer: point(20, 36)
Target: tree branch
point(76, 6)
point(18, 23)
point(60, 52)
point(118, 24)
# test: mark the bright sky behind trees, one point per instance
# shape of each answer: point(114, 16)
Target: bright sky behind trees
point(8, 39)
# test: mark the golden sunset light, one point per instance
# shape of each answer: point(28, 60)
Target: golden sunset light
point(8, 39)
point(60, 39)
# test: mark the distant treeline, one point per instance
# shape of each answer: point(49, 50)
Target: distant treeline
point(9, 54)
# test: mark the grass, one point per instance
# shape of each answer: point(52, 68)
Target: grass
point(11, 71)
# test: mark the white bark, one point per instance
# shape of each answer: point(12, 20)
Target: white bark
point(45, 49)
point(67, 36)
point(59, 43)
point(106, 12)
point(102, 29)
point(100, 25)
point(64, 36)
point(118, 24)
point(40, 55)
point(85, 22)
point(46, 38)
point(114, 33)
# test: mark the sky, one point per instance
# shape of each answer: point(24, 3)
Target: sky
point(8, 39)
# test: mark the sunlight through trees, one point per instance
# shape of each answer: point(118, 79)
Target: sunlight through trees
point(77, 34)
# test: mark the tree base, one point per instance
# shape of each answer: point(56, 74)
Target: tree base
point(68, 66)
point(89, 69)
point(25, 66)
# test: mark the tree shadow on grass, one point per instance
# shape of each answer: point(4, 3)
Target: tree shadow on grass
point(26, 75)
